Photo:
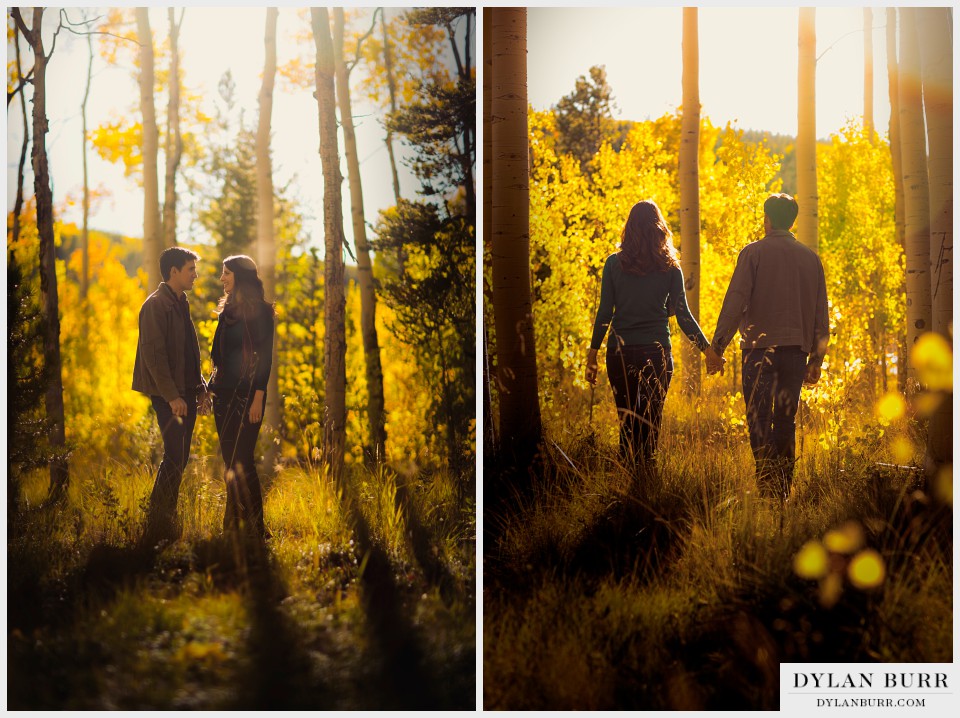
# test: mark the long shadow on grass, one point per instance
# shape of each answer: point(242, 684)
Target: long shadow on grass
point(42, 610)
point(278, 675)
point(406, 680)
point(423, 542)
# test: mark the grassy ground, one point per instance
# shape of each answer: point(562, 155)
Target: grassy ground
point(368, 608)
point(683, 590)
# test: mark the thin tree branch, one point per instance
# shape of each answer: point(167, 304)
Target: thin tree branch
point(852, 32)
point(27, 32)
point(360, 41)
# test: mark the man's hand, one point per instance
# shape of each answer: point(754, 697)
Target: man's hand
point(812, 375)
point(591, 373)
point(715, 362)
point(256, 407)
point(204, 403)
point(179, 407)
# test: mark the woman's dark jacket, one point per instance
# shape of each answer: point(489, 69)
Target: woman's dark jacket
point(242, 350)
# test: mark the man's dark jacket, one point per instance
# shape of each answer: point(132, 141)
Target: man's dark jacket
point(164, 338)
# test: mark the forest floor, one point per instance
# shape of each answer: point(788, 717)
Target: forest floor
point(371, 608)
point(684, 590)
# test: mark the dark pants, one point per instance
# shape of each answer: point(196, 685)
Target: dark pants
point(177, 432)
point(772, 379)
point(238, 443)
point(639, 375)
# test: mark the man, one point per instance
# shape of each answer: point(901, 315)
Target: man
point(777, 298)
point(167, 369)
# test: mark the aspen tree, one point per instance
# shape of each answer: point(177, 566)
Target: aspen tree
point(807, 130)
point(334, 299)
point(368, 296)
point(868, 72)
point(520, 427)
point(690, 189)
point(915, 189)
point(152, 240)
point(936, 55)
point(266, 246)
point(49, 300)
point(173, 149)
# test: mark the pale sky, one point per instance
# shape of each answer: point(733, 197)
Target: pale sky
point(212, 40)
point(748, 62)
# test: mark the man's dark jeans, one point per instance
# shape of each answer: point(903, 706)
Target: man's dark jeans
point(640, 376)
point(772, 379)
point(177, 432)
point(238, 443)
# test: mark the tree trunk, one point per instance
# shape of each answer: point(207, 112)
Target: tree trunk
point(893, 85)
point(18, 203)
point(334, 302)
point(152, 241)
point(468, 155)
point(868, 72)
point(392, 87)
point(936, 56)
point(49, 301)
point(490, 447)
point(520, 428)
point(266, 247)
point(915, 189)
point(807, 130)
point(85, 233)
point(174, 142)
point(690, 190)
point(368, 296)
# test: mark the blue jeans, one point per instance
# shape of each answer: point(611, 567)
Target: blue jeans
point(177, 432)
point(772, 379)
point(639, 375)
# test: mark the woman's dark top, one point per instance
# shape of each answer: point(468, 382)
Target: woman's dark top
point(242, 350)
point(637, 308)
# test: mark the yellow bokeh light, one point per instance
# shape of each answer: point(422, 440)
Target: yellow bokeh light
point(830, 589)
point(846, 539)
point(926, 403)
point(902, 450)
point(811, 560)
point(933, 359)
point(866, 569)
point(890, 407)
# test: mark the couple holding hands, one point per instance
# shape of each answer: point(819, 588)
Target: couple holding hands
point(167, 369)
point(776, 299)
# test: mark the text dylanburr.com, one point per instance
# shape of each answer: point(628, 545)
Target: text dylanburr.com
point(930, 688)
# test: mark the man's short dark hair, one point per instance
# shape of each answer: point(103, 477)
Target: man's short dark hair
point(782, 209)
point(175, 257)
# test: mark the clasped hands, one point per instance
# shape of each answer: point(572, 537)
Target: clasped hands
point(715, 362)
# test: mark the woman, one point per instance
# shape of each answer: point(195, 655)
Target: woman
point(641, 287)
point(242, 356)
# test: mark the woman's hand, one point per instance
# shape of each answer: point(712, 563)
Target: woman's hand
point(715, 362)
point(591, 373)
point(256, 407)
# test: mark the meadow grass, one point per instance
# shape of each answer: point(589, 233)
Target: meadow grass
point(679, 588)
point(98, 621)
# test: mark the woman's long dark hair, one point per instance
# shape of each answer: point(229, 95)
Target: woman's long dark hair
point(247, 295)
point(646, 243)
point(245, 304)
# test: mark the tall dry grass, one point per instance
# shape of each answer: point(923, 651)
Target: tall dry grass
point(681, 589)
